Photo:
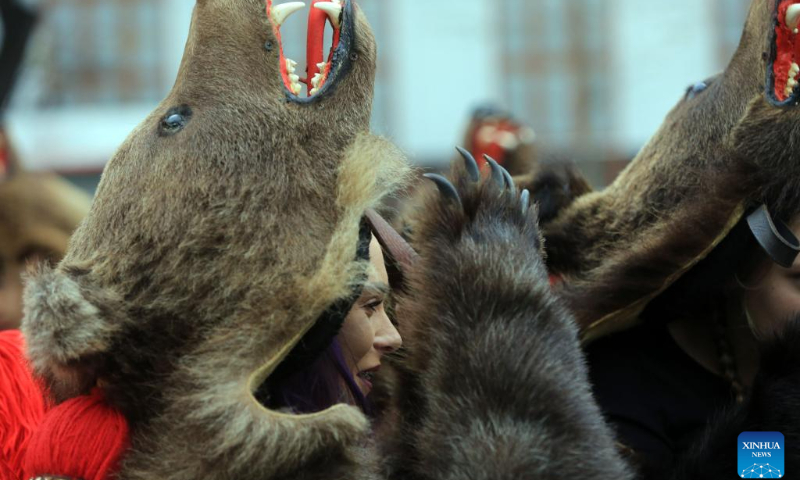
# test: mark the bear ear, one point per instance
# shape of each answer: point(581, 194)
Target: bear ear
point(69, 327)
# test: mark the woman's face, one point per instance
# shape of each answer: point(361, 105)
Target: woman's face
point(367, 333)
point(776, 296)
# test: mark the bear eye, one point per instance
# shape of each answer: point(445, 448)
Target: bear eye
point(696, 89)
point(174, 120)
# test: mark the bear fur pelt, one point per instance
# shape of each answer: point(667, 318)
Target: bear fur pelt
point(554, 187)
point(721, 151)
point(221, 230)
point(494, 384)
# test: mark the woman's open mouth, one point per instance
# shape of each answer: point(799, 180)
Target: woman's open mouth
point(783, 71)
point(323, 69)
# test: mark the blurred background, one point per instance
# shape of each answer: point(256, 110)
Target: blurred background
point(594, 78)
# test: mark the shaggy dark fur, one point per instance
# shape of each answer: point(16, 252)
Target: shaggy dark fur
point(494, 385)
point(717, 154)
point(211, 249)
point(774, 406)
point(554, 188)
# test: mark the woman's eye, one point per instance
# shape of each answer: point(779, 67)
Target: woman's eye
point(372, 306)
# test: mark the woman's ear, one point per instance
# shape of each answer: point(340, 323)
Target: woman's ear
point(69, 327)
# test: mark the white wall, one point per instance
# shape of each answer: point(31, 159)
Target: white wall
point(659, 48)
point(445, 59)
point(71, 139)
point(84, 138)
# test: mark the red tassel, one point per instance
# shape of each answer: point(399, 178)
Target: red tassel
point(81, 438)
point(22, 404)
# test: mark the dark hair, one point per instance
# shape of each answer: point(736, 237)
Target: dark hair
point(323, 383)
point(308, 381)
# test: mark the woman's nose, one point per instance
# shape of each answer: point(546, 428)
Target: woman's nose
point(387, 338)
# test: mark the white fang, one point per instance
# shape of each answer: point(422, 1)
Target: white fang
point(334, 11)
point(281, 12)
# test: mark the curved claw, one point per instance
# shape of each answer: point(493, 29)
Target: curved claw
point(445, 187)
point(497, 173)
point(509, 181)
point(470, 164)
point(525, 201)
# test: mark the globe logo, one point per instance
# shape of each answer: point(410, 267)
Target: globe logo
point(760, 455)
point(761, 471)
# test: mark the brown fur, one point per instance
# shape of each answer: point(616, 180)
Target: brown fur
point(714, 157)
point(494, 384)
point(553, 188)
point(207, 255)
